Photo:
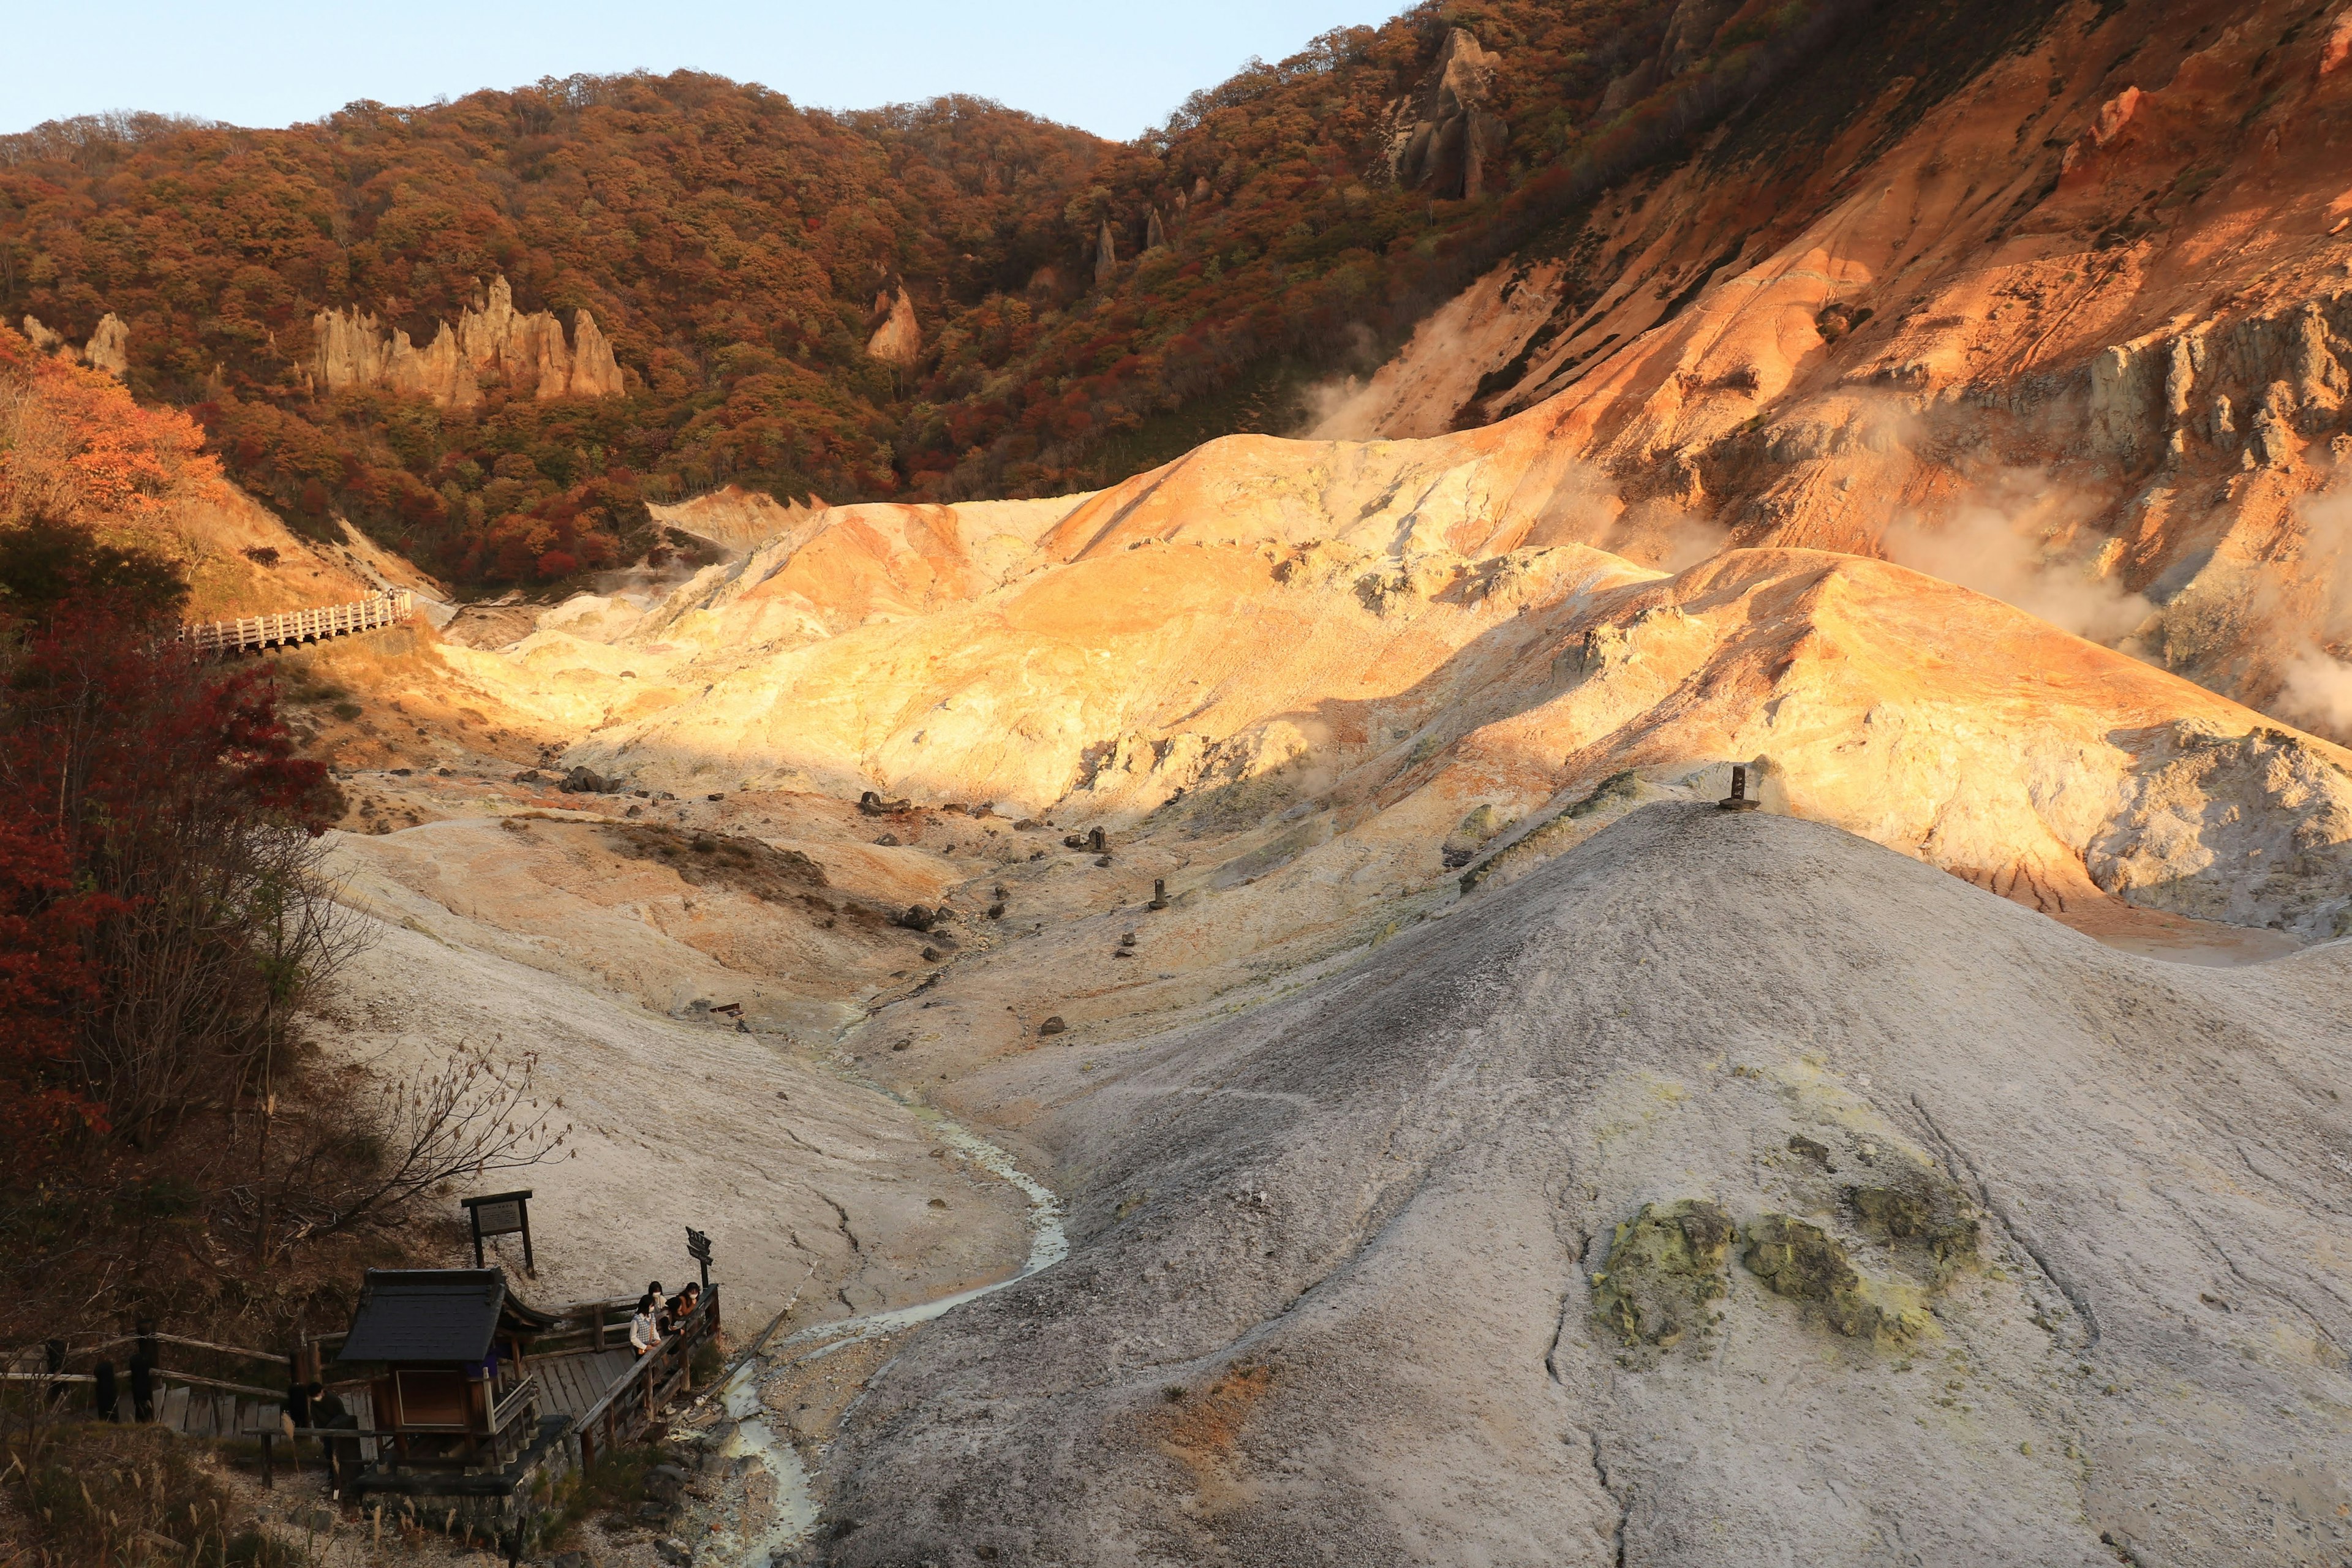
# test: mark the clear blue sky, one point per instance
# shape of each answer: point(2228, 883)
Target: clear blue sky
point(1112, 68)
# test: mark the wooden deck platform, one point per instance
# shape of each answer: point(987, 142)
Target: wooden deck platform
point(571, 1383)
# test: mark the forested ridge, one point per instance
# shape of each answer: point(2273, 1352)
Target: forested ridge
point(738, 250)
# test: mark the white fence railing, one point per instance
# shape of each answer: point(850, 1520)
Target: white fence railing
point(284, 630)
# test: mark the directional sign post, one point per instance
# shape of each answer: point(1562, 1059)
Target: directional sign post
point(501, 1214)
point(697, 1246)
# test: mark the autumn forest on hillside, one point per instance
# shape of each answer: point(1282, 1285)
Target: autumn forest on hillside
point(739, 253)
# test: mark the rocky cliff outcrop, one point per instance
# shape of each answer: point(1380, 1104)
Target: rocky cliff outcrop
point(1441, 136)
point(2077, 308)
point(1106, 254)
point(492, 344)
point(898, 338)
point(109, 348)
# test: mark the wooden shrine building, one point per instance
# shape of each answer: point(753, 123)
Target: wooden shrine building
point(447, 1355)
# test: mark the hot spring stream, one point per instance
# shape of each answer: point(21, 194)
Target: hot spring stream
point(754, 1436)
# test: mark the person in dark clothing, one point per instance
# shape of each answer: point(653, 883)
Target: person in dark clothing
point(142, 1388)
point(297, 1403)
point(328, 1412)
point(108, 1400)
point(53, 1357)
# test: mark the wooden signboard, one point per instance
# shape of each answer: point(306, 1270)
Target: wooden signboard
point(501, 1214)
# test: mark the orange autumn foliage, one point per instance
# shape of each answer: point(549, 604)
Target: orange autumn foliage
point(75, 447)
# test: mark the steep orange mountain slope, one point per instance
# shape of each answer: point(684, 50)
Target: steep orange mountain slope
point(76, 447)
point(2077, 336)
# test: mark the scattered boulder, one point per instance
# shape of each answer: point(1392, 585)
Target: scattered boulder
point(889, 841)
point(1818, 1154)
point(1053, 1026)
point(922, 917)
point(1664, 1266)
point(588, 781)
point(674, 1552)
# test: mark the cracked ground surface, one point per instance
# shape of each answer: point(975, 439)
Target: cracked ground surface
point(1332, 1296)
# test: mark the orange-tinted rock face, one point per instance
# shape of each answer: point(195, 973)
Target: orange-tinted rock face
point(899, 340)
point(2093, 311)
point(492, 344)
point(1395, 644)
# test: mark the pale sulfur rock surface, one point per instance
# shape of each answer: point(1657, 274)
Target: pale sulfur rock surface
point(1333, 1290)
point(804, 1180)
point(1411, 653)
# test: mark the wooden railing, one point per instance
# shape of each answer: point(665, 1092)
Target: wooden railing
point(371, 614)
point(503, 1408)
point(629, 1406)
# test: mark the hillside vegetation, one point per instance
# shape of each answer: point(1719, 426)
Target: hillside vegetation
point(1083, 308)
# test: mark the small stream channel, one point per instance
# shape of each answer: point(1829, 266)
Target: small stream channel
point(754, 1435)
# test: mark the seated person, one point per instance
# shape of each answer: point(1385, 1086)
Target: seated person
point(644, 1331)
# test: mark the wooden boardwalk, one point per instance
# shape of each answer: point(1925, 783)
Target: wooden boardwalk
point(255, 633)
point(572, 1384)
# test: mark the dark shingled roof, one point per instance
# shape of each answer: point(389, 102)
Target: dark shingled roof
point(425, 1315)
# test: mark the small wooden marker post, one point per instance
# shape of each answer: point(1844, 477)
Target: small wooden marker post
point(1159, 894)
point(1737, 799)
point(501, 1214)
point(697, 1246)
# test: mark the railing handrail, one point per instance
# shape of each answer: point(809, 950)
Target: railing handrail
point(504, 1405)
point(378, 609)
point(643, 1367)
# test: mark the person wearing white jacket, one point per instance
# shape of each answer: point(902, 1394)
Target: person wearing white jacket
point(645, 1334)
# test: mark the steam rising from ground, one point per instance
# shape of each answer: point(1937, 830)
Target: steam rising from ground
point(1347, 407)
point(2013, 538)
point(1662, 534)
point(2318, 692)
point(2318, 686)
